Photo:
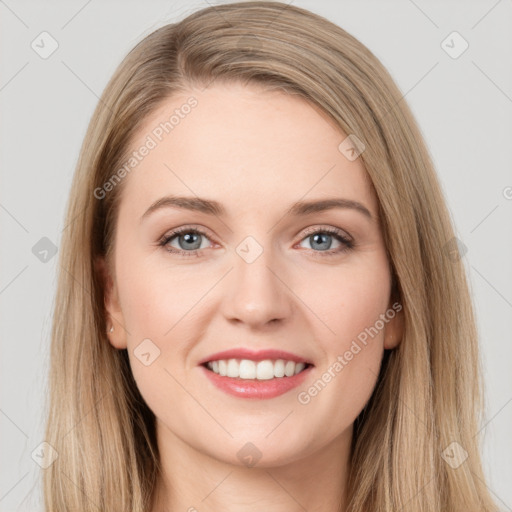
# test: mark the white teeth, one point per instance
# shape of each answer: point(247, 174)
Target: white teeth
point(299, 367)
point(279, 368)
point(261, 370)
point(233, 368)
point(247, 369)
point(289, 368)
point(265, 370)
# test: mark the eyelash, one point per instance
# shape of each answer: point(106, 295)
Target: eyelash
point(348, 244)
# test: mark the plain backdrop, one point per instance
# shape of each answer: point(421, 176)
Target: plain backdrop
point(463, 104)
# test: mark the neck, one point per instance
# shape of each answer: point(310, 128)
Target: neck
point(193, 481)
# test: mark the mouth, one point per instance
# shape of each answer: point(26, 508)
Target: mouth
point(264, 379)
point(248, 369)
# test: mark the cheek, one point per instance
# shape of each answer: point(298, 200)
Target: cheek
point(162, 310)
point(157, 307)
point(351, 305)
point(157, 301)
point(349, 301)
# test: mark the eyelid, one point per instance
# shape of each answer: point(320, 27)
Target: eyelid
point(187, 228)
point(330, 229)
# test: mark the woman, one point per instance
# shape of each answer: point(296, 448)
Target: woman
point(207, 353)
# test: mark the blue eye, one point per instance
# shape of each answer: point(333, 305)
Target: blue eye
point(190, 244)
point(187, 238)
point(322, 240)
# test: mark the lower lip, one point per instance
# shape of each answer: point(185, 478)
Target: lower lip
point(253, 388)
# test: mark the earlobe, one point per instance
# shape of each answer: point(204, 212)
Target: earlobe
point(113, 315)
point(394, 330)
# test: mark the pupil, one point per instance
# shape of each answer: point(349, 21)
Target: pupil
point(323, 243)
point(189, 238)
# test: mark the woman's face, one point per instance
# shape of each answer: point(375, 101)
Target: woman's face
point(261, 275)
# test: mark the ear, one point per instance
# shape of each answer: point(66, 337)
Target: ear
point(113, 313)
point(394, 330)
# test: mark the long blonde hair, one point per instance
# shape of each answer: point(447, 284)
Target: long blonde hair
point(428, 394)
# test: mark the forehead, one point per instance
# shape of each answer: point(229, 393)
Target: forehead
point(245, 146)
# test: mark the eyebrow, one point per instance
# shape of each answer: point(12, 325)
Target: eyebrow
point(211, 207)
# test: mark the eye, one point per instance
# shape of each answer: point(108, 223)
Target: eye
point(187, 241)
point(321, 241)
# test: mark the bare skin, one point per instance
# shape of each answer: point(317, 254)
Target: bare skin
point(256, 152)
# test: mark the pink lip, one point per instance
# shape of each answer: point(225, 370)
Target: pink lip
point(260, 355)
point(253, 388)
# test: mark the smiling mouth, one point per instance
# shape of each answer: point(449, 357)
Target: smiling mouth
point(246, 369)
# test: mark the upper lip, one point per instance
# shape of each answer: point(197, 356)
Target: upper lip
point(254, 355)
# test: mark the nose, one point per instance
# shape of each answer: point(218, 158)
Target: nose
point(256, 291)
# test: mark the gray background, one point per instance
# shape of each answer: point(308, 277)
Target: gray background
point(463, 106)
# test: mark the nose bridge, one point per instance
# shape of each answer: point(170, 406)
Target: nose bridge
point(256, 294)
